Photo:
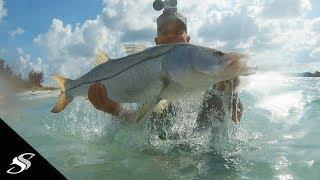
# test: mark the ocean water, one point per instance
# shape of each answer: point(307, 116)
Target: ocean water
point(278, 137)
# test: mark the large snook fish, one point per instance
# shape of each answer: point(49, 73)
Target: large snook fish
point(160, 72)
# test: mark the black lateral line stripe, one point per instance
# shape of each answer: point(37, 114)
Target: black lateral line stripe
point(116, 73)
point(174, 47)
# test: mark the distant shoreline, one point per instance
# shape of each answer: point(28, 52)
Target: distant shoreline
point(36, 89)
point(305, 74)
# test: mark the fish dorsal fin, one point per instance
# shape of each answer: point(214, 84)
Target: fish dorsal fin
point(102, 57)
point(133, 48)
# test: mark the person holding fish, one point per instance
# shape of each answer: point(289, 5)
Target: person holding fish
point(172, 28)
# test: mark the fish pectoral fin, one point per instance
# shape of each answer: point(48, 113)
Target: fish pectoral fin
point(147, 107)
point(133, 48)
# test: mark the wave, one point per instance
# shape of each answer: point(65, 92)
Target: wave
point(34, 95)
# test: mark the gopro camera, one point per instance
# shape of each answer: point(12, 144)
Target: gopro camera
point(170, 5)
point(170, 13)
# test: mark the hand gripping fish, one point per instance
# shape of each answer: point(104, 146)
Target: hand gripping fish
point(160, 72)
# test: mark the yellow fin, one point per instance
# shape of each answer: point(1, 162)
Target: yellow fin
point(61, 81)
point(64, 100)
point(101, 58)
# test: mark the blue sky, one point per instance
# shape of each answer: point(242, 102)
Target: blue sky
point(62, 37)
point(35, 16)
point(315, 11)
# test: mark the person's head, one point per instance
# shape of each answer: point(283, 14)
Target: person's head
point(171, 24)
point(172, 31)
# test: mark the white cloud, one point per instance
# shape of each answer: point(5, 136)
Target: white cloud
point(17, 31)
point(20, 51)
point(70, 50)
point(284, 8)
point(315, 53)
point(24, 64)
point(3, 11)
point(134, 19)
point(276, 33)
point(315, 23)
point(231, 27)
point(274, 42)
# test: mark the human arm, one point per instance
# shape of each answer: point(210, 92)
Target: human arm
point(97, 95)
point(235, 105)
point(213, 102)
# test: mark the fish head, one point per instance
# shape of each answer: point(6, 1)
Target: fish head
point(219, 65)
point(196, 66)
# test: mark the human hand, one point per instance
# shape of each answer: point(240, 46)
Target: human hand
point(228, 86)
point(97, 95)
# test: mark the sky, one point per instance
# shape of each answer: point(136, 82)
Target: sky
point(63, 37)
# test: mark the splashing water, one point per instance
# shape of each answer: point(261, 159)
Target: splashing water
point(276, 138)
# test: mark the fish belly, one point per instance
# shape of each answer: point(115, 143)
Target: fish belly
point(136, 83)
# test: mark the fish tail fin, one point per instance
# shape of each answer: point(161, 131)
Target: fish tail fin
point(64, 99)
point(62, 82)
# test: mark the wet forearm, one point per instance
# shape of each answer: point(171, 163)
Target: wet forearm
point(237, 110)
point(125, 115)
point(236, 104)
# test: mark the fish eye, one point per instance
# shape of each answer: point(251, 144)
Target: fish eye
point(220, 53)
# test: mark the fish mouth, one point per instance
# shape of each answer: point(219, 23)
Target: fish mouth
point(235, 61)
point(235, 65)
point(232, 56)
